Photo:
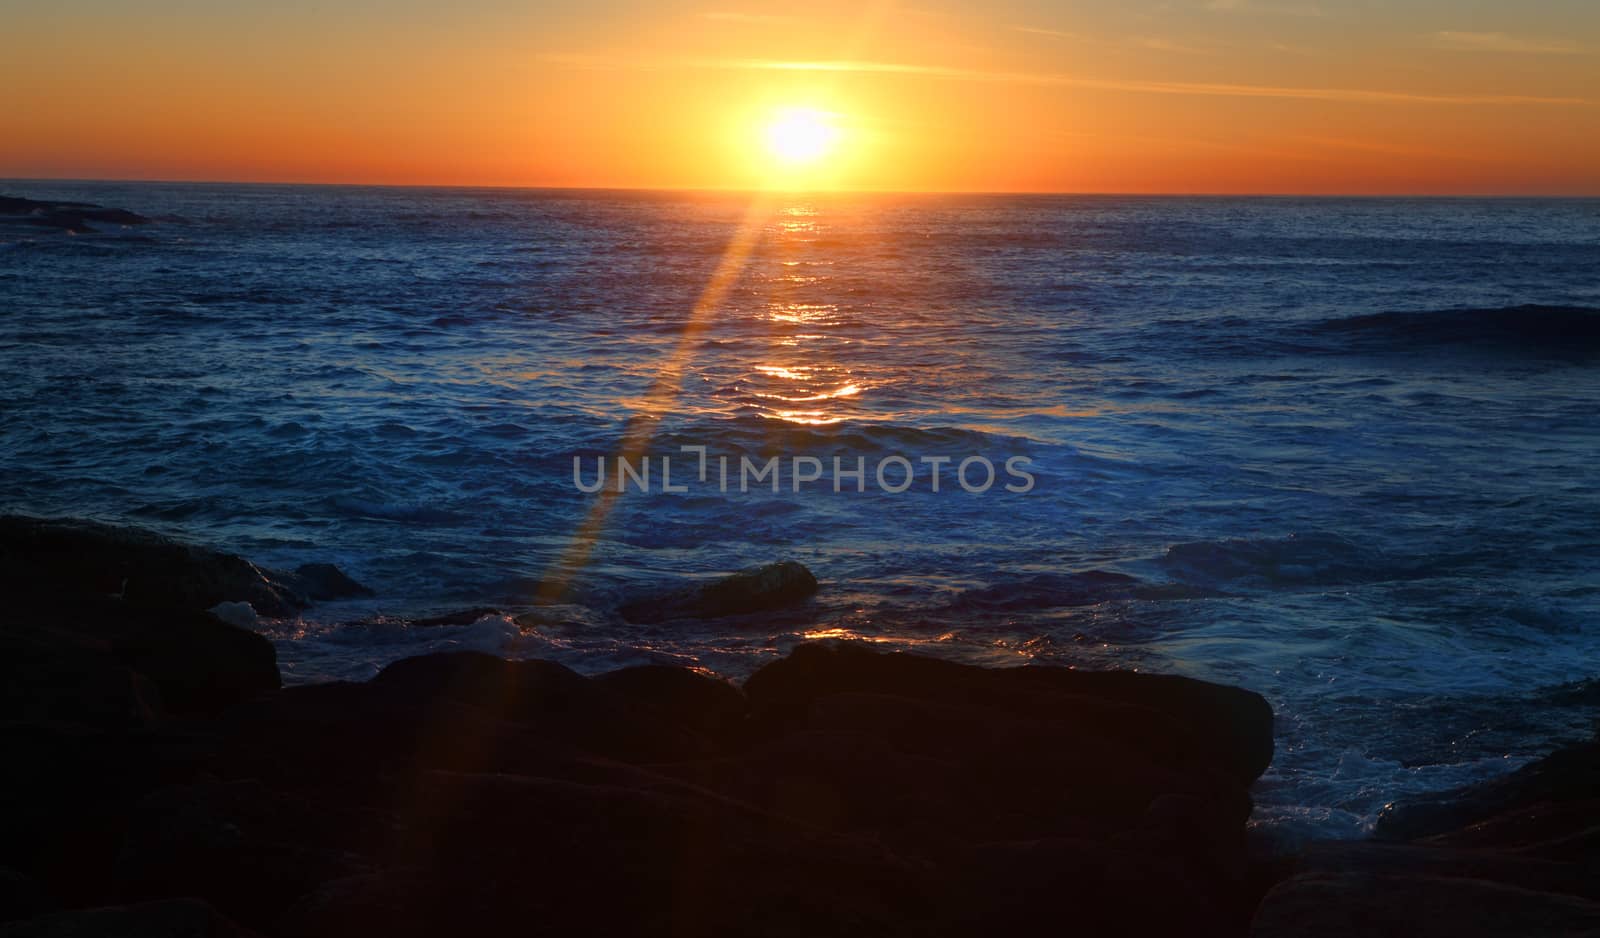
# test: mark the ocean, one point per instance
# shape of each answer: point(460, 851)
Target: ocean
point(1338, 451)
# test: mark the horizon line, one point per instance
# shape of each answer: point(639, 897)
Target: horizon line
point(734, 190)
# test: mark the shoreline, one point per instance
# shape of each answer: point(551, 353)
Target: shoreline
point(173, 780)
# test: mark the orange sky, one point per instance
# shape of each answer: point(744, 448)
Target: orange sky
point(1405, 96)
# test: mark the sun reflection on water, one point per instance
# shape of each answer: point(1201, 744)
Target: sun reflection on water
point(798, 275)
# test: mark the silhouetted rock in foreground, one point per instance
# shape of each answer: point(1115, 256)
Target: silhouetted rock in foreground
point(1353, 905)
point(1514, 856)
point(74, 559)
point(107, 626)
point(758, 589)
point(66, 216)
point(846, 792)
point(171, 918)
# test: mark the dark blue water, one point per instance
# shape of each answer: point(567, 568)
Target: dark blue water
point(1313, 447)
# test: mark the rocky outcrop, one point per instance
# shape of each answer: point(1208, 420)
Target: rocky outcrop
point(1351, 905)
point(757, 589)
point(108, 626)
point(323, 581)
point(75, 559)
point(1546, 799)
point(841, 792)
point(73, 217)
point(171, 918)
point(112, 665)
point(1513, 856)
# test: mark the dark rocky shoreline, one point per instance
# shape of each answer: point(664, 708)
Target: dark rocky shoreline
point(162, 782)
point(69, 217)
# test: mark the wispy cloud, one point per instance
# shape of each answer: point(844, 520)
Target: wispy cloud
point(1206, 89)
point(1163, 44)
point(1500, 42)
point(1153, 43)
point(1040, 31)
point(763, 19)
point(1275, 7)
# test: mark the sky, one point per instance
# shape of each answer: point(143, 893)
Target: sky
point(1177, 96)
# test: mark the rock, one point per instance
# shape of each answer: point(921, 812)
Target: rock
point(199, 665)
point(757, 589)
point(843, 792)
point(615, 860)
point(551, 698)
point(1233, 727)
point(1345, 905)
point(21, 896)
point(1512, 856)
point(82, 559)
point(713, 708)
point(171, 918)
point(41, 680)
point(69, 792)
point(68, 216)
point(1511, 868)
point(459, 617)
point(1568, 777)
point(246, 849)
point(324, 581)
point(109, 664)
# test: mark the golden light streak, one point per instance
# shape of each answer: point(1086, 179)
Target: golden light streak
point(658, 399)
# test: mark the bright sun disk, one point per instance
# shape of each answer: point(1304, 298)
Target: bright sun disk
point(800, 136)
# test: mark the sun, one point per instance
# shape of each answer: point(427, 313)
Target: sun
point(800, 136)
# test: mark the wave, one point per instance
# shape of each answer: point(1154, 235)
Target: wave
point(1568, 329)
point(760, 434)
point(1049, 590)
point(1314, 559)
point(380, 511)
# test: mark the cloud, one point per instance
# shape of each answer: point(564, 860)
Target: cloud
point(949, 73)
point(764, 19)
point(1153, 43)
point(1038, 31)
point(1162, 44)
point(1256, 6)
point(1500, 42)
point(1210, 89)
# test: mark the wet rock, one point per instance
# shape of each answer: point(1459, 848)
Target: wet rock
point(324, 581)
point(171, 918)
point(199, 664)
point(83, 559)
point(843, 792)
point(72, 217)
point(68, 792)
point(757, 589)
point(614, 860)
point(1496, 813)
point(246, 849)
point(21, 896)
point(41, 680)
point(459, 617)
point(1512, 856)
point(1511, 868)
point(107, 663)
point(710, 707)
point(1230, 727)
point(545, 696)
point(1341, 905)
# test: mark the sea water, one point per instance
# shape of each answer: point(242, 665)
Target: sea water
point(1319, 448)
